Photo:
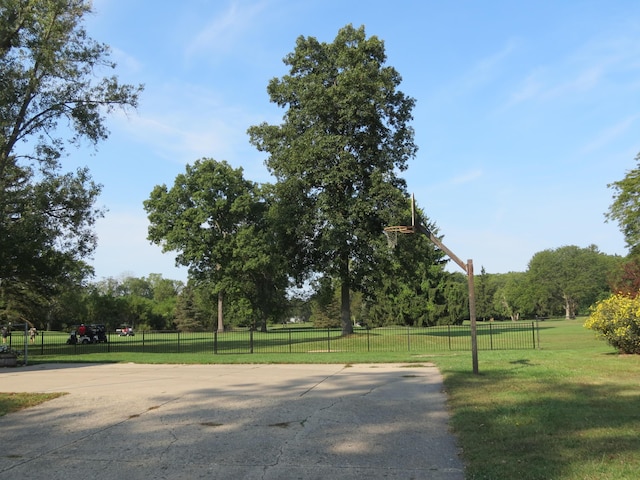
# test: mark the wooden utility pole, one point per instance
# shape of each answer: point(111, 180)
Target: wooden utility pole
point(468, 268)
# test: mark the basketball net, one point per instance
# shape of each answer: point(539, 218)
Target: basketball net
point(392, 238)
point(392, 233)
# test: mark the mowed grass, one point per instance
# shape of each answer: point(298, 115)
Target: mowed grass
point(297, 340)
point(568, 411)
point(12, 402)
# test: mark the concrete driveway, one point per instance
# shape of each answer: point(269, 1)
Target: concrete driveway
point(280, 422)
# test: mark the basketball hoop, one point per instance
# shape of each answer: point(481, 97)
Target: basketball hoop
point(400, 229)
point(392, 233)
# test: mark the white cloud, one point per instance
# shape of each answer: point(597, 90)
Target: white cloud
point(224, 31)
point(609, 134)
point(488, 67)
point(586, 79)
point(604, 58)
point(481, 73)
point(529, 89)
point(123, 248)
point(187, 123)
point(467, 177)
point(126, 62)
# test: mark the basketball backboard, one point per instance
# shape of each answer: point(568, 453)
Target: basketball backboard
point(413, 211)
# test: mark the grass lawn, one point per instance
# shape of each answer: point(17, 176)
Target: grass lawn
point(568, 411)
point(12, 402)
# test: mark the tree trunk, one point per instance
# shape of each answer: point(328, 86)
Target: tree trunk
point(512, 315)
point(220, 320)
point(345, 296)
point(569, 307)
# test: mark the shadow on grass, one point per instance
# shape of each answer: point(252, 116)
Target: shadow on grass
point(528, 426)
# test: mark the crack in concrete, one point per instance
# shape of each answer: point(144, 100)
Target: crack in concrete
point(322, 381)
point(303, 423)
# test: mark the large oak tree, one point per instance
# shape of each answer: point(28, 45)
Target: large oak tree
point(336, 156)
point(218, 223)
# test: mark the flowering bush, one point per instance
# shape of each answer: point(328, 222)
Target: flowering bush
point(8, 349)
point(617, 319)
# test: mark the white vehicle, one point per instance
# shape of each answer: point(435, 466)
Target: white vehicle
point(125, 331)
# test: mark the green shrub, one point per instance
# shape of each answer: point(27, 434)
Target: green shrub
point(617, 319)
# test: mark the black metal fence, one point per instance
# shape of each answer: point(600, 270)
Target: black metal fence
point(295, 339)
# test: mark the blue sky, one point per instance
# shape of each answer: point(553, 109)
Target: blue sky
point(525, 112)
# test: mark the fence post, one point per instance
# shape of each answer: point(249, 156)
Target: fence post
point(215, 342)
point(289, 332)
point(449, 335)
point(368, 342)
point(408, 340)
point(26, 343)
point(533, 332)
point(491, 336)
point(251, 340)
point(328, 339)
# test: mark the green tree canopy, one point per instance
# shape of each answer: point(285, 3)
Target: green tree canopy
point(625, 209)
point(49, 78)
point(218, 223)
point(345, 136)
point(570, 277)
point(410, 286)
point(510, 298)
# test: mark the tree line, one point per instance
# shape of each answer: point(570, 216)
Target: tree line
point(565, 281)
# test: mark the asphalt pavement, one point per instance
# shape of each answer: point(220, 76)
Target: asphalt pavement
point(269, 422)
